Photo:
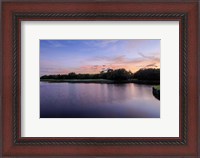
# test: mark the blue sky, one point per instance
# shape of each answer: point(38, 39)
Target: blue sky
point(93, 56)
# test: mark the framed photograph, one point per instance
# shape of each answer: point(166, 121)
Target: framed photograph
point(100, 79)
point(95, 79)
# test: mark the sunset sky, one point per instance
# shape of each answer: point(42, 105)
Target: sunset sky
point(93, 56)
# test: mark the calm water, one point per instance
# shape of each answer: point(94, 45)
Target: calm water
point(90, 100)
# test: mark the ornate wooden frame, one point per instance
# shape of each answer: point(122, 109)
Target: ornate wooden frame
point(185, 13)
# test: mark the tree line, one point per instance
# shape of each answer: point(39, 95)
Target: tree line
point(118, 74)
point(148, 74)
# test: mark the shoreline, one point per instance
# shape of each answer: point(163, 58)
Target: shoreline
point(156, 92)
point(100, 81)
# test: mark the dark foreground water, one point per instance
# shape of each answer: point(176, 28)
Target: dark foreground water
point(90, 100)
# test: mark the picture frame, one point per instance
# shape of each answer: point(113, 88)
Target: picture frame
point(13, 13)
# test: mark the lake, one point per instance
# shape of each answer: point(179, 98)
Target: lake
point(94, 100)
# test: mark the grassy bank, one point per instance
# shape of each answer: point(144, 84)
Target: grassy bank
point(157, 87)
point(156, 91)
point(78, 80)
point(100, 81)
point(149, 82)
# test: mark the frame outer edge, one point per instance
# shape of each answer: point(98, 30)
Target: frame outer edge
point(1, 81)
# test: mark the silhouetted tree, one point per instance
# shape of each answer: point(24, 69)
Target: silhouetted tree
point(147, 74)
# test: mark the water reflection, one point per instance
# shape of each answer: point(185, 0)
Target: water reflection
point(80, 100)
